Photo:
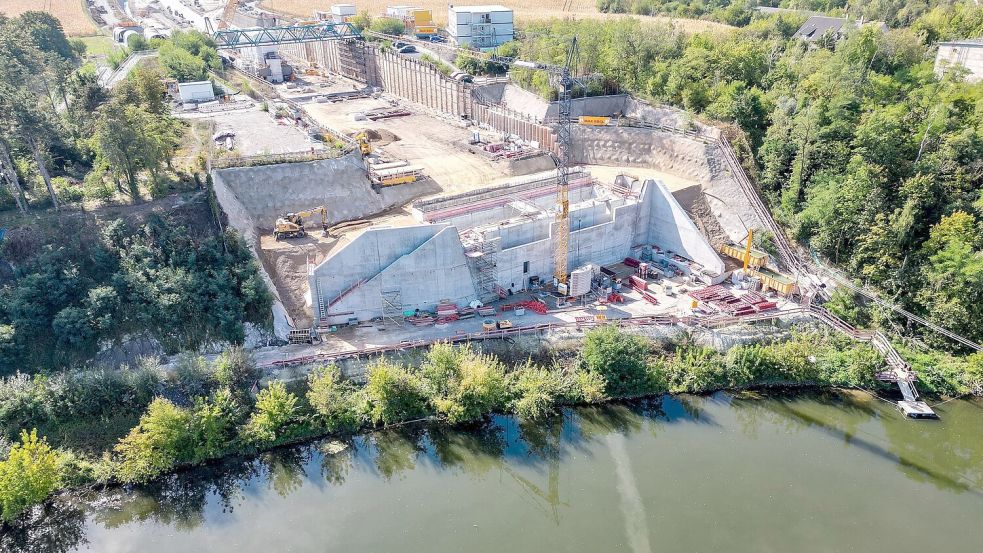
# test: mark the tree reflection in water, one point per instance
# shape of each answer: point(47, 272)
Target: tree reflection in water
point(57, 527)
point(947, 453)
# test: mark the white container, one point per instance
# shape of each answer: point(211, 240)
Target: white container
point(520, 311)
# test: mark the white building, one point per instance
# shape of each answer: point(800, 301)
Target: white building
point(339, 13)
point(480, 26)
point(966, 55)
point(196, 91)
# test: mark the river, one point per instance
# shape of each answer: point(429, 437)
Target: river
point(806, 473)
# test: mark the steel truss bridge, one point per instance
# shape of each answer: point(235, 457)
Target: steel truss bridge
point(294, 34)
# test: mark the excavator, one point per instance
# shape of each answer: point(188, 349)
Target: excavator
point(291, 225)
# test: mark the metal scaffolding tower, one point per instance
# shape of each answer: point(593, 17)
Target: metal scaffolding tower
point(482, 258)
point(392, 307)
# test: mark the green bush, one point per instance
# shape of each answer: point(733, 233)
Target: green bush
point(275, 416)
point(236, 370)
point(162, 439)
point(463, 385)
point(28, 475)
point(213, 424)
point(619, 357)
point(333, 399)
point(696, 369)
point(395, 394)
point(387, 26)
point(537, 392)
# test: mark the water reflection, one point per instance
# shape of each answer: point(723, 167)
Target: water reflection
point(532, 459)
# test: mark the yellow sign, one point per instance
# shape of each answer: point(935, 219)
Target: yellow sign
point(593, 120)
point(398, 180)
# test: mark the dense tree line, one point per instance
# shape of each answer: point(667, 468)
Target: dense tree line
point(894, 13)
point(205, 410)
point(69, 297)
point(865, 154)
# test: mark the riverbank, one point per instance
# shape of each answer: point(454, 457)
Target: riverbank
point(768, 469)
point(211, 410)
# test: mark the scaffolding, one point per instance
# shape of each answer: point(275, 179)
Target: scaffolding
point(482, 258)
point(392, 307)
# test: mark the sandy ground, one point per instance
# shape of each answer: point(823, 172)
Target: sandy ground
point(434, 144)
point(257, 133)
point(71, 13)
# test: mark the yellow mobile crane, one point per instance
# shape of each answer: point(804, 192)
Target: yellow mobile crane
point(291, 225)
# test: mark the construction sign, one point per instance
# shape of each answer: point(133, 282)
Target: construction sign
point(593, 120)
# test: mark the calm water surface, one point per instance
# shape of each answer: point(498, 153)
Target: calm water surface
point(679, 474)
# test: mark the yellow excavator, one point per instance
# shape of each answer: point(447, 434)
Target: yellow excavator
point(291, 225)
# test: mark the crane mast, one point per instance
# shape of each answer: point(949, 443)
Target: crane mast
point(564, 138)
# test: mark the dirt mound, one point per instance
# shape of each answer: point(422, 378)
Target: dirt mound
point(381, 136)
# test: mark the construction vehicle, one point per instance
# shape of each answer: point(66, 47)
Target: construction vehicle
point(363, 143)
point(291, 225)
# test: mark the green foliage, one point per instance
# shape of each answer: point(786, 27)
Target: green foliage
point(395, 393)
point(161, 440)
point(274, 415)
point(189, 55)
point(463, 384)
point(537, 392)
point(158, 278)
point(620, 358)
point(333, 399)
point(28, 475)
point(387, 26)
point(361, 21)
point(236, 370)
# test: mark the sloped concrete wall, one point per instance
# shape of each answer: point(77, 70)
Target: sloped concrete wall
point(365, 257)
point(671, 228)
point(341, 185)
point(433, 271)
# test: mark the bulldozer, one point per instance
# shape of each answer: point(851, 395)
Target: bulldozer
point(291, 225)
point(363, 143)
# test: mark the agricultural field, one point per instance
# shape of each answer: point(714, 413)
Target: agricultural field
point(73, 14)
point(524, 11)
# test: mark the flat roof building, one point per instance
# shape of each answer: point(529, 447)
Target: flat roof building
point(482, 27)
point(196, 91)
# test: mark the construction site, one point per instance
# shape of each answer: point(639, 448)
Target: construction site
point(460, 209)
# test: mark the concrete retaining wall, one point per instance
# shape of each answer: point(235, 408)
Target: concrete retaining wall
point(426, 263)
point(671, 228)
point(340, 184)
point(685, 157)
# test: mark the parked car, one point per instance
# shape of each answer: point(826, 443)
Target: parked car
point(408, 49)
point(399, 44)
point(437, 38)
